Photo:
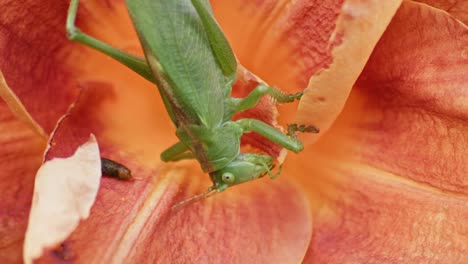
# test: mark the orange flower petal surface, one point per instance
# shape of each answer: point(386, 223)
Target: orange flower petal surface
point(133, 222)
point(21, 154)
point(34, 58)
point(418, 90)
point(372, 218)
point(456, 8)
point(388, 182)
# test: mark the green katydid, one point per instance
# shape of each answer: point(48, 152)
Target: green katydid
point(189, 59)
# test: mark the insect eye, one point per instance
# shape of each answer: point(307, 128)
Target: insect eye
point(228, 177)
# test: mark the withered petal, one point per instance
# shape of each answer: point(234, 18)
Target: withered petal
point(64, 191)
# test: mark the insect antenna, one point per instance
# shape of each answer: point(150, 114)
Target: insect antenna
point(210, 192)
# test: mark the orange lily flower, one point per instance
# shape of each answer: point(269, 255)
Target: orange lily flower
point(384, 182)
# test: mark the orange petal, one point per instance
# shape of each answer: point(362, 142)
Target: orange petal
point(389, 181)
point(458, 9)
point(34, 58)
point(18, 108)
point(132, 222)
point(53, 71)
point(416, 99)
point(21, 154)
point(376, 219)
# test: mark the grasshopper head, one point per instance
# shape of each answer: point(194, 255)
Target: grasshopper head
point(245, 167)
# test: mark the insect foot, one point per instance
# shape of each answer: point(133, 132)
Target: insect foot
point(293, 128)
point(274, 176)
point(281, 97)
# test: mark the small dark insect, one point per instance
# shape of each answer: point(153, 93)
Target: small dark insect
point(116, 170)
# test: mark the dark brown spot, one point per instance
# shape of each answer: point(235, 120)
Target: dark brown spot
point(320, 99)
point(63, 252)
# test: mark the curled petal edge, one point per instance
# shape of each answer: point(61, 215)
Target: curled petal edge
point(358, 29)
point(17, 107)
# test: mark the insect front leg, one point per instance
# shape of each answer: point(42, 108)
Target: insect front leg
point(135, 63)
point(271, 175)
point(271, 133)
point(252, 99)
point(176, 152)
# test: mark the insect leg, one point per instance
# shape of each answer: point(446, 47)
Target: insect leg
point(273, 176)
point(256, 94)
point(176, 152)
point(271, 133)
point(135, 63)
point(293, 128)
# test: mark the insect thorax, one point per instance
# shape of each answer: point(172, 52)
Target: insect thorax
point(214, 148)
